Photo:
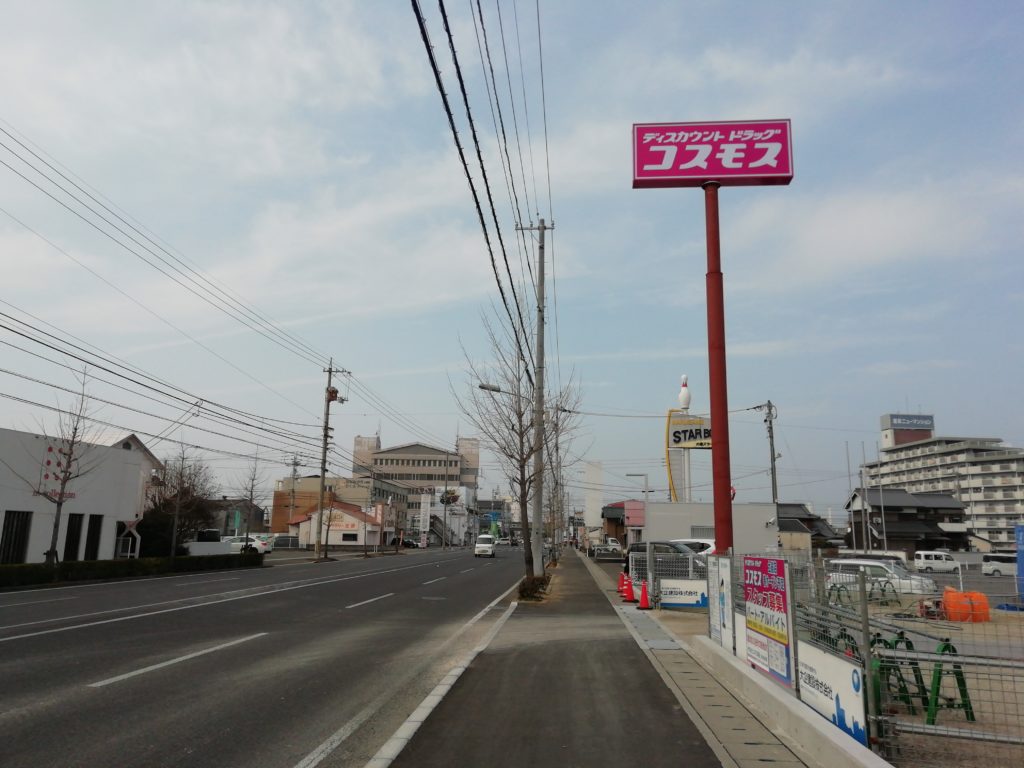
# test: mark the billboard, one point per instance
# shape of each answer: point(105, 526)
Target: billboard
point(768, 612)
point(732, 153)
point(685, 431)
point(907, 421)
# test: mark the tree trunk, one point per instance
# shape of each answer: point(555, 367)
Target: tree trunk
point(51, 553)
point(525, 517)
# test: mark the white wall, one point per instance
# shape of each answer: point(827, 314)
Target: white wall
point(113, 486)
point(754, 526)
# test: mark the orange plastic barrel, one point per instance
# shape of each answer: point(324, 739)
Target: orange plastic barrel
point(979, 606)
point(956, 605)
point(965, 606)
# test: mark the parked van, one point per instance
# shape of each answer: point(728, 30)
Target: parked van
point(940, 562)
point(999, 565)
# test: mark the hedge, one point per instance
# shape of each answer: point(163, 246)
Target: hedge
point(27, 574)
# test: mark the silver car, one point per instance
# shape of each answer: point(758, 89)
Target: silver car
point(844, 571)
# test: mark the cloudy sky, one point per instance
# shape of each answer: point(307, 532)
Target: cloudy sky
point(291, 164)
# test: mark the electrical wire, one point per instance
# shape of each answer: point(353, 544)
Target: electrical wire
point(465, 167)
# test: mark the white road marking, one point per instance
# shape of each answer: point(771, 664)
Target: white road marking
point(163, 664)
point(371, 600)
point(36, 602)
point(315, 757)
point(393, 746)
point(433, 581)
point(286, 587)
point(211, 581)
point(467, 570)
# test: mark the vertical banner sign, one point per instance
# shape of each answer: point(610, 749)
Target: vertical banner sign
point(714, 602)
point(765, 590)
point(720, 600)
point(425, 502)
point(725, 601)
point(1018, 531)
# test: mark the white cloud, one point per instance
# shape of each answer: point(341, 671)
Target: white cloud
point(791, 242)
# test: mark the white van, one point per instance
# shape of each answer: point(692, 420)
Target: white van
point(999, 565)
point(940, 562)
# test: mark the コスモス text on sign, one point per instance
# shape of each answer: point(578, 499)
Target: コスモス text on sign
point(730, 153)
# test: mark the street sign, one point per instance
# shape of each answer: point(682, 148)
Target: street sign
point(730, 153)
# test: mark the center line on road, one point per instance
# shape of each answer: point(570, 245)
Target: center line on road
point(36, 602)
point(210, 581)
point(162, 664)
point(466, 570)
point(432, 581)
point(371, 600)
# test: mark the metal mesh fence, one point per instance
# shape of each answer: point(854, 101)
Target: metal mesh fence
point(951, 681)
point(666, 566)
point(946, 681)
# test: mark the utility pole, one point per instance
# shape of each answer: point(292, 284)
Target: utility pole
point(444, 499)
point(330, 395)
point(291, 504)
point(770, 413)
point(177, 505)
point(537, 518)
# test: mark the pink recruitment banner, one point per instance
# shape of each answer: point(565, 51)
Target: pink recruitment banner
point(734, 153)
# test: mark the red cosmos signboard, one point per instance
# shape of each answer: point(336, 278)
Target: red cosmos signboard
point(733, 153)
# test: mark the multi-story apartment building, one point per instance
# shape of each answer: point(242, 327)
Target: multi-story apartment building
point(984, 473)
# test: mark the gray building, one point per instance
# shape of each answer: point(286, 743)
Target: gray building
point(983, 473)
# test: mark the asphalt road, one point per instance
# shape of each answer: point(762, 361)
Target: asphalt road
point(297, 664)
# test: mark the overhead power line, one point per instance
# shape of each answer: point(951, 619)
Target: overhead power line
point(469, 178)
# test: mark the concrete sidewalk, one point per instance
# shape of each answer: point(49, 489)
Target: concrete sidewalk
point(576, 680)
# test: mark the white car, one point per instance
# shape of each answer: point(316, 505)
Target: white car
point(879, 572)
point(707, 546)
point(246, 543)
point(484, 546)
point(504, 541)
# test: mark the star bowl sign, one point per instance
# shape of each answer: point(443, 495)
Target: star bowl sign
point(733, 154)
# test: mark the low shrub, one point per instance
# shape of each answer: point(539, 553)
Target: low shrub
point(27, 574)
point(533, 587)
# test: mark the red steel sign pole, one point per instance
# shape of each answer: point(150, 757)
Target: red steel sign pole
point(713, 155)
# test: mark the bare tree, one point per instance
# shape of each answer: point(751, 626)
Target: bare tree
point(502, 413)
point(249, 483)
point(67, 459)
point(179, 504)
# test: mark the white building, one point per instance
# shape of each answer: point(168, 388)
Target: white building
point(984, 473)
point(100, 509)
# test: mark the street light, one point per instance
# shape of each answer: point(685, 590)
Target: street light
point(649, 551)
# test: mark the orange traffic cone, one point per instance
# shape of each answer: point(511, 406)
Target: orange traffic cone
point(645, 603)
point(622, 583)
point(628, 594)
